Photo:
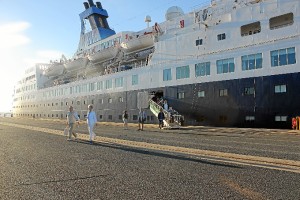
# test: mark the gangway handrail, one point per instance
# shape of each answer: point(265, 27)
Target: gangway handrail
point(171, 120)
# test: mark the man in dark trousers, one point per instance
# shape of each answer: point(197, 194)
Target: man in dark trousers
point(161, 118)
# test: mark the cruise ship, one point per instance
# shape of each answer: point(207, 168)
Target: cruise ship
point(232, 63)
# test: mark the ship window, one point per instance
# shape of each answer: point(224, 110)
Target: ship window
point(249, 90)
point(110, 100)
point(182, 72)
point(101, 101)
point(99, 85)
point(222, 118)
point(91, 86)
point(100, 116)
point(119, 82)
point(108, 84)
point(222, 36)
point(250, 29)
point(252, 61)
point(223, 92)
point(281, 21)
point(199, 42)
point(134, 79)
point(249, 118)
point(280, 89)
point(180, 95)
point(283, 57)
point(280, 118)
point(110, 117)
point(121, 99)
point(202, 69)
point(201, 94)
point(225, 66)
point(167, 76)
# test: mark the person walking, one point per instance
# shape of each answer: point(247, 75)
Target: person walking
point(72, 117)
point(142, 119)
point(125, 120)
point(161, 117)
point(91, 122)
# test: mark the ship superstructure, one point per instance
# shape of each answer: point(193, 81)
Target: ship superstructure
point(232, 63)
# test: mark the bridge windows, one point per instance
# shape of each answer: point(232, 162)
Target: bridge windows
point(279, 118)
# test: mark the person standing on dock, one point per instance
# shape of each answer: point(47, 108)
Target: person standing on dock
point(91, 122)
point(161, 117)
point(142, 119)
point(72, 117)
point(125, 119)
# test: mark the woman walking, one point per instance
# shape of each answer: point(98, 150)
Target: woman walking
point(91, 122)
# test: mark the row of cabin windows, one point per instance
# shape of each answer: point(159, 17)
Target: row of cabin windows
point(247, 91)
point(279, 57)
point(255, 27)
point(120, 100)
point(109, 117)
point(89, 87)
point(249, 118)
point(180, 95)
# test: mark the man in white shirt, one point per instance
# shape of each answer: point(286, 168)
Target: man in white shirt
point(72, 117)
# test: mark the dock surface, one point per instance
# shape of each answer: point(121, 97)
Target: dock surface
point(37, 162)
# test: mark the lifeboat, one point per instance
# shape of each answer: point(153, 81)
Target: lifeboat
point(138, 42)
point(76, 64)
point(104, 54)
point(55, 69)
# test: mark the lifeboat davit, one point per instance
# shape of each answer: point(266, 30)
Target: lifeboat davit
point(55, 69)
point(76, 64)
point(104, 54)
point(137, 43)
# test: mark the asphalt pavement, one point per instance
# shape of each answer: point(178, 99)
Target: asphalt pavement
point(37, 162)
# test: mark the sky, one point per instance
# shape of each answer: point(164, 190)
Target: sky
point(34, 31)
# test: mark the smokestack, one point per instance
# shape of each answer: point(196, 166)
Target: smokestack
point(86, 5)
point(99, 5)
point(91, 3)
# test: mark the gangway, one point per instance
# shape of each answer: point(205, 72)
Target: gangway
point(173, 120)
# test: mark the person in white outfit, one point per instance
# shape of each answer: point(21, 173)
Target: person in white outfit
point(91, 122)
point(72, 117)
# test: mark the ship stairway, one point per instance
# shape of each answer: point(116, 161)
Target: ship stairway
point(172, 120)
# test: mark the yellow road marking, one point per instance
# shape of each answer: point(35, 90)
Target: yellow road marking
point(257, 161)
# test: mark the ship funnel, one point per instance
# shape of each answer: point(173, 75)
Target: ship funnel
point(86, 5)
point(99, 5)
point(91, 3)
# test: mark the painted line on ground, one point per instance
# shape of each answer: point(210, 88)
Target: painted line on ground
point(232, 158)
